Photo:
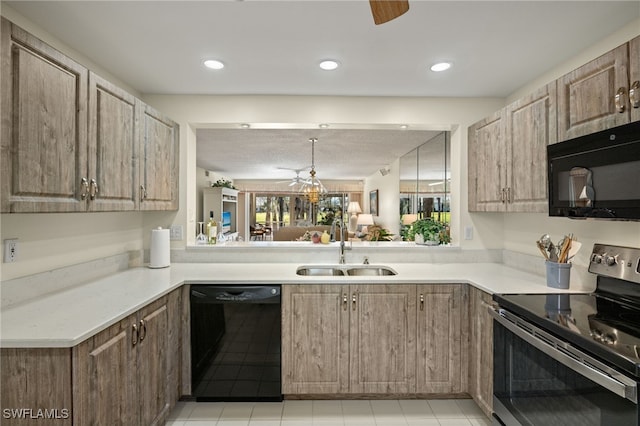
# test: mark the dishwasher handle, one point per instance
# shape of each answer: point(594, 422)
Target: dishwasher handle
point(216, 294)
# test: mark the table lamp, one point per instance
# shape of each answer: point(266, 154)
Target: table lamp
point(353, 209)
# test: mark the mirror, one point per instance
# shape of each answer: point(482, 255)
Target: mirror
point(425, 181)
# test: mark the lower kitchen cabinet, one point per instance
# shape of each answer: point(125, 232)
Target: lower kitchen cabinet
point(374, 339)
point(481, 350)
point(120, 374)
point(315, 339)
point(442, 339)
point(35, 387)
point(382, 339)
point(128, 374)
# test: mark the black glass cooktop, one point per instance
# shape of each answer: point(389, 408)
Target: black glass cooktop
point(601, 324)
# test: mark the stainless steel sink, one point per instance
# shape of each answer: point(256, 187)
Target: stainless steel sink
point(373, 270)
point(321, 270)
point(345, 270)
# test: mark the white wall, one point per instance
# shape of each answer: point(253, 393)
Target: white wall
point(388, 197)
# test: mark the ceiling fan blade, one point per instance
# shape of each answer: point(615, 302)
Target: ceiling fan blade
point(386, 10)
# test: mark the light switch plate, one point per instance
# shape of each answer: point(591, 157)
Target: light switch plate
point(468, 232)
point(175, 232)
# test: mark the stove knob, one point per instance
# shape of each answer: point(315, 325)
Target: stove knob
point(611, 260)
point(596, 258)
point(608, 339)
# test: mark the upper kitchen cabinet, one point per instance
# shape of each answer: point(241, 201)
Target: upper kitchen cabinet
point(507, 155)
point(159, 143)
point(74, 142)
point(487, 157)
point(113, 147)
point(596, 96)
point(44, 127)
point(634, 74)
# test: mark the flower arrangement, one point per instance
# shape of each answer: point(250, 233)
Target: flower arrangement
point(377, 233)
point(223, 183)
point(429, 232)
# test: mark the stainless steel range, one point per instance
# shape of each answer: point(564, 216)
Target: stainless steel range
point(572, 359)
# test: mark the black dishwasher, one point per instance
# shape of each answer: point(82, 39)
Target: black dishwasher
point(235, 343)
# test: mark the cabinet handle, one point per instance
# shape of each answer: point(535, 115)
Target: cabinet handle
point(634, 94)
point(93, 191)
point(345, 301)
point(422, 302)
point(143, 192)
point(353, 302)
point(143, 329)
point(620, 100)
point(509, 195)
point(134, 334)
point(84, 183)
point(503, 195)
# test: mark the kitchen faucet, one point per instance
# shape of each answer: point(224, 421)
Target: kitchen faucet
point(340, 224)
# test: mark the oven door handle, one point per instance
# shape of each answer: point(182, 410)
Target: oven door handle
point(568, 355)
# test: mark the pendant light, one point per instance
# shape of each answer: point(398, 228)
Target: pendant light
point(312, 187)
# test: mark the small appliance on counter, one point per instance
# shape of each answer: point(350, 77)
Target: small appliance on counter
point(159, 249)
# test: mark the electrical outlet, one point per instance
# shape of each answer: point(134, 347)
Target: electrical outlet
point(10, 250)
point(175, 232)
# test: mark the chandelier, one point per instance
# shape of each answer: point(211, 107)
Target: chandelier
point(312, 187)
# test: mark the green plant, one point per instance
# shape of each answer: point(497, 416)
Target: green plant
point(223, 183)
point(430, 230)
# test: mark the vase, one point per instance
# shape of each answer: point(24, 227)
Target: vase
point(419, 239)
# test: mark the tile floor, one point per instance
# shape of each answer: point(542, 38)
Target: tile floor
point(440, 412)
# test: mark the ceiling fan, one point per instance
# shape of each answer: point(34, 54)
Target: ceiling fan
point(297, 179)
point(386, 10)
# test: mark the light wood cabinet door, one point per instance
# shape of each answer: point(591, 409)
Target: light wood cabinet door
point(44, 126)
point(120, 374)
point(634, 76)
point(151, 374)
point(315, 339)
point(442, 336)
point(113, 147)
point(487, 160)
point(159, 151)
point(586, 96)
point(481, 351)
point(36, 379)
point(530, 127)
point(105, 377)
point(383, 339)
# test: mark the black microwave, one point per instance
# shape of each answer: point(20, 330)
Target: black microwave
point(597, 175)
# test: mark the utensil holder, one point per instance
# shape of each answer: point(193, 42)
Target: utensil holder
point(558, 274)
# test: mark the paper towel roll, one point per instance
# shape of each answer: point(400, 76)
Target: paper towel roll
point(159, 251)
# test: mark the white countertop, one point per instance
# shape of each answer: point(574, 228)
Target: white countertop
point(70, 316)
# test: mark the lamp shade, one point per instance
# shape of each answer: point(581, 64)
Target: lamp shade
point(408, 219)
point(354, 207)
point(365, 219)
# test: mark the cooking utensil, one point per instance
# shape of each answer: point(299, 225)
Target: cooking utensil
point(542, 250)
point(575, 246)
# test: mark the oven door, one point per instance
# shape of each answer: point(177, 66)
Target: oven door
point(540, 380)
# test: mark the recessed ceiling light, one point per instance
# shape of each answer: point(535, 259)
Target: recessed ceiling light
point(404, 126)
point(329, 65)
point(323, 125)
point(440, 66)
point(213, 64)
point(245, 126)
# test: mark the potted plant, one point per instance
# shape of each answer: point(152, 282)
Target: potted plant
point(428, 232)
